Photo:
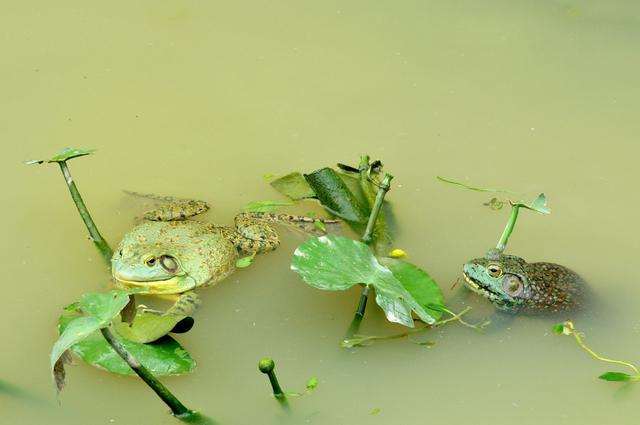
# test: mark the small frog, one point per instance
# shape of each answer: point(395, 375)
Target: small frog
point(513, 285)
point(167, 254)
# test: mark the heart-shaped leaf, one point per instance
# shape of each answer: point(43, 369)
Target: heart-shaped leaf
point(336, 263)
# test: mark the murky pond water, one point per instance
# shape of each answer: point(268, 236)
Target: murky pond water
point(201, 99)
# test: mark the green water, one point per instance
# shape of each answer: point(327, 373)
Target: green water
point(201, 99)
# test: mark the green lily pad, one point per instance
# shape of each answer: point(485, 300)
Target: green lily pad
point(64, 155)
point(162, 357)
point(264, 206)
point(420, 285)
point(100, 309)
point(336, 263)
point(294, 186)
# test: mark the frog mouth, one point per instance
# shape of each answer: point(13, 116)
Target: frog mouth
point(476, 287)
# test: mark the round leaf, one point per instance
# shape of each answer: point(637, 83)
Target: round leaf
point(162, 357)
point(419, 284)
point(336, 263)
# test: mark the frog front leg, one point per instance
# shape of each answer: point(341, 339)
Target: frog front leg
point(172, 208)
point(186, 304)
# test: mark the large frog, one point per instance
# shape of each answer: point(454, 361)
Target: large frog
point(168, 254)
point(513, 285)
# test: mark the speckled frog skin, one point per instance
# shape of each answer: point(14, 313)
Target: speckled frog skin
point(514, 286)
point(168, 254)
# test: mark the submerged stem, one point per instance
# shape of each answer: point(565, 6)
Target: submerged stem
point(362, 340)
point(96, 237)
point(574, 332)
point(177, 408)
point(502, 243)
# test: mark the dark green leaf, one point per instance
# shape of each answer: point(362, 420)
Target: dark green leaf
point(294, 186)
point(265, 206)
point(336, 263)
point(336, 197)
point(162, 357)
point(615, 376)
point(419, 284)
point(558, 328)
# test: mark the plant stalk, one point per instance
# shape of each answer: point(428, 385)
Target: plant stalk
point(96, 237)
point(177, 408)
point(502, 243)
point(385, 185)
point(363, 302)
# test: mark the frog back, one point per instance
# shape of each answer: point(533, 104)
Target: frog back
point(554, 288)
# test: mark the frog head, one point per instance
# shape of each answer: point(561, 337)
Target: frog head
point(500, 278)
point(159, 257)
point(156, 268)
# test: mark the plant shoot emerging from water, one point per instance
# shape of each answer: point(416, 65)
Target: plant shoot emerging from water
point(567, 328)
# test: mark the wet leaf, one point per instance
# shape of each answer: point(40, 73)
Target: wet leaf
point(558, 328)
point(72, 334)
point(419, 284)
point(245, 262)
point(539, 204)
point(264, 206)
point(104, 306)
point(294, 186)
point(336, 197)
point(147, 326)
point(474, 188)
point(162, 357)
point(64, 155)
point(312, 383)
point(615, 376)
point(336, 263)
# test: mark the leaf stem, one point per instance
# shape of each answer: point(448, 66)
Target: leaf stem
point(177, 408)
point(363, 302)
point(96, 237)
point(572, 329)
point(385, 185)
point(502, 243)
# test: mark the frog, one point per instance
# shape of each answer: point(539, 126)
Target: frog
point(515, 286)
point(171, 255)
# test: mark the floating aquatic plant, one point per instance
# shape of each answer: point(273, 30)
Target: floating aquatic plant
point(567, 328)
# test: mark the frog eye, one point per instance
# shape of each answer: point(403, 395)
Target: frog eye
point(169, 263)
point(494, 270)
point(512, 285)
point(150, 261)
